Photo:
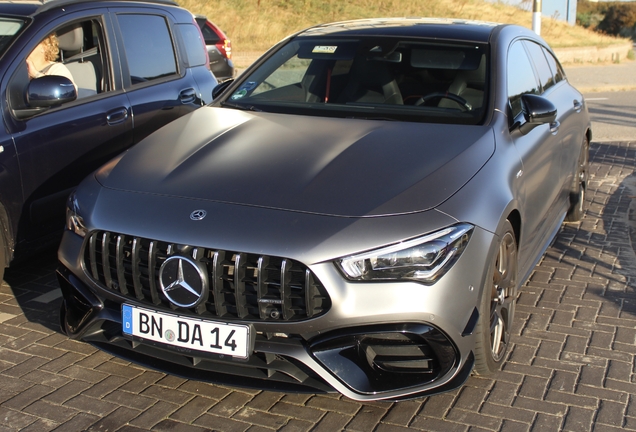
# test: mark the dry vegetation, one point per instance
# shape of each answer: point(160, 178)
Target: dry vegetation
point(255, 25)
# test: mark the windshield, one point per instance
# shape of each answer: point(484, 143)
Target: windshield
point(9, 28)
point(378, 78)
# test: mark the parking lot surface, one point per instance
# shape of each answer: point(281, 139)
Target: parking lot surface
point(571, 365)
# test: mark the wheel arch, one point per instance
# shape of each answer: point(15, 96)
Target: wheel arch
point(515, 220)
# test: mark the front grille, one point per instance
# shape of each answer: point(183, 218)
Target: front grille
point(241, 286)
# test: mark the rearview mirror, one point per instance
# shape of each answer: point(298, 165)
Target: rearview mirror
point(537, 110)
point(216, 91)
point(50, 90)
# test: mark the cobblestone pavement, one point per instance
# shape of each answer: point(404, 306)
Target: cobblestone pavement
point(571, 366)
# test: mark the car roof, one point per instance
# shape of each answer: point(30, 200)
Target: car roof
point(451, 29)
point(31, 7)
point(19, 8)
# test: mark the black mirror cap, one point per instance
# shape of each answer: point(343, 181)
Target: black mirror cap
point(537, 110)
point(220, 88)
point(50, 90)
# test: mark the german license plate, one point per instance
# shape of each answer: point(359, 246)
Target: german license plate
point(183, 332)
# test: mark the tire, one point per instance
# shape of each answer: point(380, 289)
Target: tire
point(497, 306)
point(577, 196)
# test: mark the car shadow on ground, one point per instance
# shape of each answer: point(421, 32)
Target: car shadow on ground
point(597, 254)
point(34, 286)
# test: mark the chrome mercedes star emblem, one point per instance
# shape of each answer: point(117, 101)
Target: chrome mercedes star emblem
point(198, 215)
point(182, 281)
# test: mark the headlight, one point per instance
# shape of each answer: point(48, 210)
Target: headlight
point(423, 259)
point(74, 221)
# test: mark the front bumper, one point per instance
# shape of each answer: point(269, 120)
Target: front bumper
point(377, 342)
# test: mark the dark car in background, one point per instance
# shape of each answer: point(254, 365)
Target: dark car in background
point(219, 49)
point(137, 66)
point(356, 212)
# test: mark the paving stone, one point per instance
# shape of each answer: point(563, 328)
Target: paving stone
point(437, 425)
point(153, 415)
point(222, 424)
point(142, 382)
point(28, 396)
point(367, 418)
point(193, 409)
point(578, 419)
point(104, 387)
point(540, 406)
point(114, 420)
point(173, 426)
point(403, 412)
point(544, 422)
point(67, 391)
point(124, 398)
point(261, 418)
point(265, 400)
point(611, 413)
point(333, 421)
point(80, 422)
point(91, 405)
point(295, 425)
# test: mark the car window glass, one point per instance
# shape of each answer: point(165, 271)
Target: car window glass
point(9, 27)
point(75, 51)
point(408, 80)
point(195, 52)
point(210, 37)
point(555, 66)
point(543, 69)
point(521, 78)
point(148, 46)
point(289, 73)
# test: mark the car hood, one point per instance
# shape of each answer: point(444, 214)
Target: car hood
point(328, 166)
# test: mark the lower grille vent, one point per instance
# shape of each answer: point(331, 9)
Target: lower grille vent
point(239, 285)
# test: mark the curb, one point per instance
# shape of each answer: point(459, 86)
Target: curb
point(586, 55)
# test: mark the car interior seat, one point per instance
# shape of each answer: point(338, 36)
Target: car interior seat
point(371, 81)
point(468, 84)
point(81, 64)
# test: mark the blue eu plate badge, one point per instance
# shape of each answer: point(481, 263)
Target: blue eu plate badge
point(126, 319)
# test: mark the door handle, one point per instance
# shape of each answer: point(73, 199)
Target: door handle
point(188, 96)
point(578, 106)
point(117, 116)
point(554, 127)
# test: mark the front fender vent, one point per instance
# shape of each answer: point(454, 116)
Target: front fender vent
point(242, 286)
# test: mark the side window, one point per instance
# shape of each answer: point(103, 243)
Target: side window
point(543, 69)
point(521, 78)
point(209, 36)
point(148, 45)
point(75, 51)
point(555, 66)
point(194, 47)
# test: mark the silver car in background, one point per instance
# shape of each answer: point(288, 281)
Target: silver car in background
point(355, 213)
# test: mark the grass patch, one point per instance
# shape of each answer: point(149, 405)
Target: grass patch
point(255, 25)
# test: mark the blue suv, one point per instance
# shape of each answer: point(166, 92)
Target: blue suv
point(136, 65)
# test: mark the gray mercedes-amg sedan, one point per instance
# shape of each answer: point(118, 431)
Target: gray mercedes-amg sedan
point(355, 213)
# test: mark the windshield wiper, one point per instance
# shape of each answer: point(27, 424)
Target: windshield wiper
point(240, 107)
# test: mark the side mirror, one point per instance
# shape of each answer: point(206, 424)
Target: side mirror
point(220, 88)
point(50, 90)
point(537, 110)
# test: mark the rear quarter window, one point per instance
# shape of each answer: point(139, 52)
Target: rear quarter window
point(194, 46)
point(148, 45)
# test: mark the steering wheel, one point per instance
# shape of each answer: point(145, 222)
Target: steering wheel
point(445, 95)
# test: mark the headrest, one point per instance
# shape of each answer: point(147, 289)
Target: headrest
point(71, 38)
